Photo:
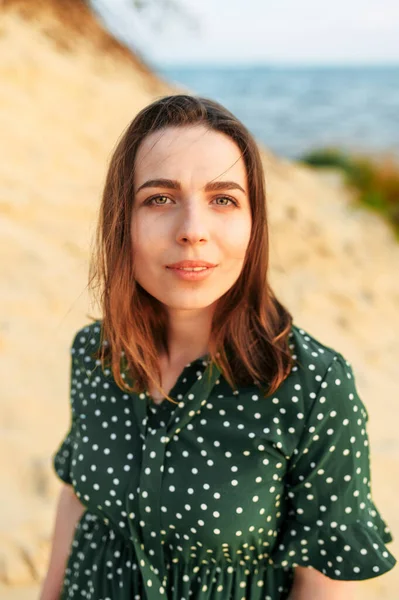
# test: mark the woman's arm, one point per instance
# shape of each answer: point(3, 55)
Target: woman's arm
point(69, 511)
point(310, 584)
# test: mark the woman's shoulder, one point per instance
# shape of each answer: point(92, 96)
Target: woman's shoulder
point(322, 376)
point(86, 340)
point(309, 343)
point(313, 357)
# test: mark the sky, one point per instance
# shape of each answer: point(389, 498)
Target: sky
point(260, 31)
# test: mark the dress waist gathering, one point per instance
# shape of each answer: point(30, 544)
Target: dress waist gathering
point(101, 551)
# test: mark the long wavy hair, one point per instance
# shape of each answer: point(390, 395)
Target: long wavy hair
point(250, 327)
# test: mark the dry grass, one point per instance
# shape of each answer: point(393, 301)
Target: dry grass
point(374, 179)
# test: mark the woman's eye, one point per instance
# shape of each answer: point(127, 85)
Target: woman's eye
point(151, 200)
point(161, 200)
point(226, 198)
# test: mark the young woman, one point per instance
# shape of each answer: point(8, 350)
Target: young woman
point(216, 449)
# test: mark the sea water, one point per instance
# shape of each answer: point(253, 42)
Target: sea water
point(293, 110)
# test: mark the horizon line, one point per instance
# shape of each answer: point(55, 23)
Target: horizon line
point(275, 65)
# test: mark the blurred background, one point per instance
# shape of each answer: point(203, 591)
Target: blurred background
point(318, 86)
point(300, 75)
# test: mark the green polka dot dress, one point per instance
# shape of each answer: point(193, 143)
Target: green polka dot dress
point(223, 494)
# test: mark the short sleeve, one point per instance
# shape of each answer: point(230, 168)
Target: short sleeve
point(332, 523)
point(61, 459)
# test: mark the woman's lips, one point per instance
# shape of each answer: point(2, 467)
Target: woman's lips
point(190, 263)
point(192, 273)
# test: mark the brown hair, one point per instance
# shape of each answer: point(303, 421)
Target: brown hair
point(250, 327)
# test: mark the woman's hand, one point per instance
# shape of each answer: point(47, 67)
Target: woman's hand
point(69, 511)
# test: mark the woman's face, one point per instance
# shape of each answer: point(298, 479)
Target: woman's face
point(199, 212)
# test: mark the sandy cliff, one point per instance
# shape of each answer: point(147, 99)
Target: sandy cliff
point(68, 89)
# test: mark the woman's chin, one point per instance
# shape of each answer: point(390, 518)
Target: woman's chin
point(180, 303)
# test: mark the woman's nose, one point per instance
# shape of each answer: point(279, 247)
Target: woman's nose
point(192, 227)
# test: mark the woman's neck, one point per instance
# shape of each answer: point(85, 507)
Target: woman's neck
point(188, 334)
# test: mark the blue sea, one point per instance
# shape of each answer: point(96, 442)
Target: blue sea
point(293, 110)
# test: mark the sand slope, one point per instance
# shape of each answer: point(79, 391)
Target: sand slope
point(68, 90)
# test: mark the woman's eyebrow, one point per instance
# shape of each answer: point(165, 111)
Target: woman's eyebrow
point(172, 184)
point(214, 186)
